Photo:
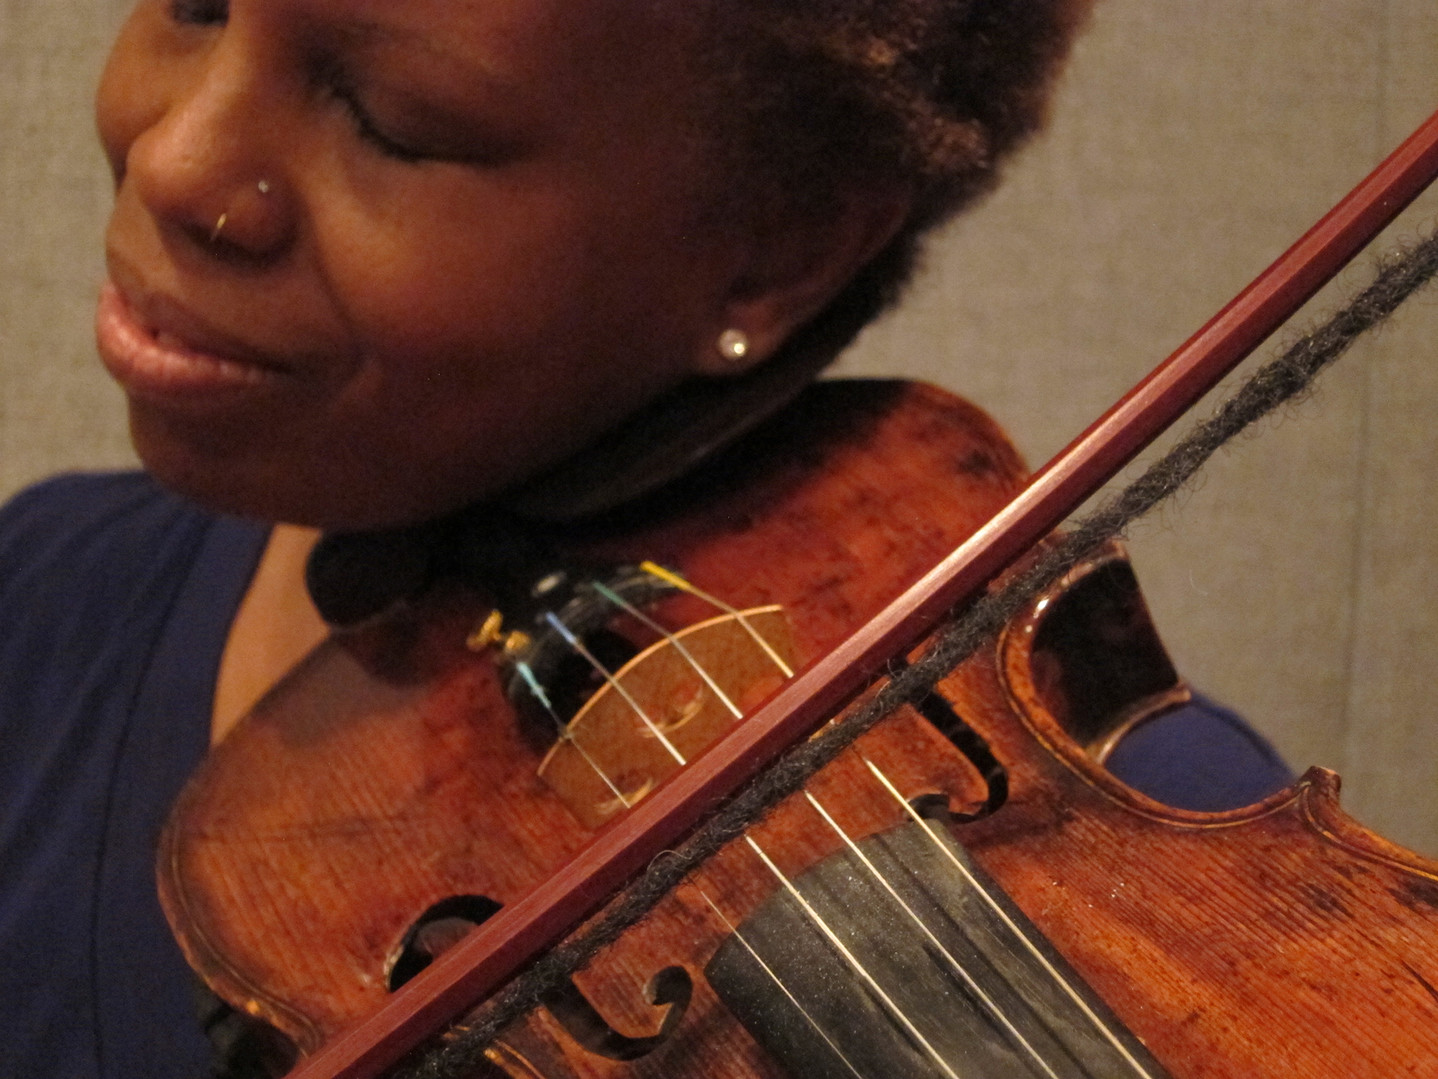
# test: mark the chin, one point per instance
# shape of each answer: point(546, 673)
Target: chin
point(225, 490)
point(247, 478)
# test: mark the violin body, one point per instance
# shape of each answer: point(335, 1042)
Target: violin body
point(389, 773)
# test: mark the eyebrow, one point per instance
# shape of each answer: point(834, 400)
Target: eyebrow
point(368, 32)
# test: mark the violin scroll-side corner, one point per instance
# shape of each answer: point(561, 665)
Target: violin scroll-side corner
point(1318, 798)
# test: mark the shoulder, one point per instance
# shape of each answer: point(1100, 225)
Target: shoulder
point(116, 595)
point(77, 508)
point(90, 569)
point(93, 527)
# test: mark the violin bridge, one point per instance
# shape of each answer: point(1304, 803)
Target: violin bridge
point(663, 708)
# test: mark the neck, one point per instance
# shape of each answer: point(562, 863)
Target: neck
point(275, 627)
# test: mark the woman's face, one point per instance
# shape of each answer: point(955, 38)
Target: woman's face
point(371, 259)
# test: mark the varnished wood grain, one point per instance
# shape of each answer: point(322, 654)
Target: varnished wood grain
point(1279, 941)
point(388, 772)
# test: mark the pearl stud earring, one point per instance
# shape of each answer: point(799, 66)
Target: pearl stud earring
point(733, 345)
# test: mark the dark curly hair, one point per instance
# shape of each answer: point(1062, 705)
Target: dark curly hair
point(822, 97)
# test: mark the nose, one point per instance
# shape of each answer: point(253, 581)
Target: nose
point(209, 168)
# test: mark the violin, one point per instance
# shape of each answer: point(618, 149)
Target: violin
point(396, 788)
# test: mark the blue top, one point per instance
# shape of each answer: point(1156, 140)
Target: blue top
point(117, 598)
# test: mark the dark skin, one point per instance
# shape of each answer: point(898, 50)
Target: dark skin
point(373, 260)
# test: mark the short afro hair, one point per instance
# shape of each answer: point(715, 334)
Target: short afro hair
point(824, 97)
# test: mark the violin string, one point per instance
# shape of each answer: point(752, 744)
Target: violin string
point(873, 871)
point(995, 1010)
point(670, 638)
point(671, 578)
point(853, 962)
point(819, 1030)
point(1055, 975)
point(1276, 383)
point(618, 687)
point(566, 734)
point(992, 1007)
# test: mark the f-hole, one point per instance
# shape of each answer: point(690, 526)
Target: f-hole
point(435, 931)
point(951, 725)
point(447, 922)
point(671, 988)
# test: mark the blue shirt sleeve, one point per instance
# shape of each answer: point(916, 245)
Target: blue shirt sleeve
point(1201, 756)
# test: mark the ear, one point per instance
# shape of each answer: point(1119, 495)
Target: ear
point(794, 266)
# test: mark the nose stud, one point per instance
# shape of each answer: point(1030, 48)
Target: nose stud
point(263, 187)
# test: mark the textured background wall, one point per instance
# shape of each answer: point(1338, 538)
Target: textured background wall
point(1191, 144)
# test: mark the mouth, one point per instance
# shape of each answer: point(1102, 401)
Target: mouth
point(165, 355)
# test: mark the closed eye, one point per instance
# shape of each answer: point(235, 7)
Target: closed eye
point(335, 81)
point(200, 12)
point(370, 132)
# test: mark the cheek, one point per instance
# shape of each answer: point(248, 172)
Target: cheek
point(138, 79)
point(116, 119)
point(529, 297)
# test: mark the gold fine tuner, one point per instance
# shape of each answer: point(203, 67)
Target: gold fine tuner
point(490, 633)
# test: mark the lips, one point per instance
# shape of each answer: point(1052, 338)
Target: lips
point(165, 355)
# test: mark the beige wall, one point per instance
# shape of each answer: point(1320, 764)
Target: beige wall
point(1192, 143)
point(56, 409)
